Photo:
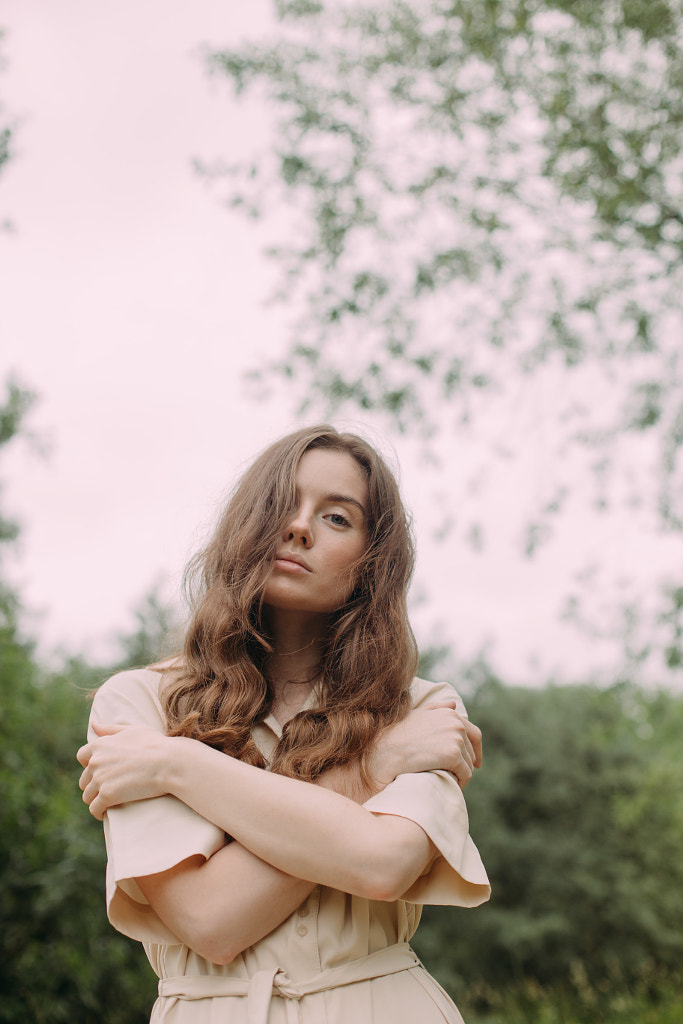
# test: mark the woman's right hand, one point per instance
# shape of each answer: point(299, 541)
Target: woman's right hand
point(429, 738)
point(125, 763)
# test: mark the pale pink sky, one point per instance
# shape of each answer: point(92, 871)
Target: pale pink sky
point(133, 302)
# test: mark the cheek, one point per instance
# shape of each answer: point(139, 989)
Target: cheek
point(344, 569)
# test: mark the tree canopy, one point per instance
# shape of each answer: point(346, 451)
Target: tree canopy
point(574, 816)
point(484, 246)
point(485, 200)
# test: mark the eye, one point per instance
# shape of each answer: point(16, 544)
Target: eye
point(337, 519)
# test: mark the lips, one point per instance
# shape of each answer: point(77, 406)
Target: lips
point(287, 556)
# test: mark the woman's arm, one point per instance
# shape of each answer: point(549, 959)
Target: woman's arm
point(221, 906)
point(301, 829)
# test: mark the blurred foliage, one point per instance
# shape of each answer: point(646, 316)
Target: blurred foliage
point(5, 130)
point(484, 208)
point(155, 637)
point(6, 127)
point(672, 619)
point(480, 208)
point(59, 959)
point(16, 404)
point(578, 815)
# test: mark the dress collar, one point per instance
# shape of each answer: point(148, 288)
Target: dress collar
point(271, 722)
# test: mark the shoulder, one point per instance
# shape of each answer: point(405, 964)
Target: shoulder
point(131, 697)
point(424, 692)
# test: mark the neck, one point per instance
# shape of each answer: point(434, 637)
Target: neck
point(297, 643)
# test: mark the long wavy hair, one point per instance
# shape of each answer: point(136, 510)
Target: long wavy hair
point(220, 689)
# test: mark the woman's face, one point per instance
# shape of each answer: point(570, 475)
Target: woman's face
point(324, 537)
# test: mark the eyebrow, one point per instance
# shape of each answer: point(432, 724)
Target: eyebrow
point(336, 498)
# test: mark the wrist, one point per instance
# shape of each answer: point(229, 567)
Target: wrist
point(172, 767)
point(384, 763)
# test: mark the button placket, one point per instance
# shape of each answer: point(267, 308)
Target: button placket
point(304, 933)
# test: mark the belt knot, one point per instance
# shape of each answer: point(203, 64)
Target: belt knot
point(284, 986)
point(262, 987)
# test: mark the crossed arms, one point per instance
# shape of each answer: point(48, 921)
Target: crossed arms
point(288, 835)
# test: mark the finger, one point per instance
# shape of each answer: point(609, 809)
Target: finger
point(475, 738)
point(86, 777)
point(97, 809)
point(108, 730)
point(463, 773)
point(90, 792)
point(99, 802)
point(445, 702)
point(84, 754)
point(467, 759)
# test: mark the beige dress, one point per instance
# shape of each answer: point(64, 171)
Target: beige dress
point(339, 959)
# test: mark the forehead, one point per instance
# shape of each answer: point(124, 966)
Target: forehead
point(332, 472)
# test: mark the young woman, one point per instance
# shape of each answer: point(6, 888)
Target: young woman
point(289, 895)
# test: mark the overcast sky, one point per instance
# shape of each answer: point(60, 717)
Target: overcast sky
point(132, 304)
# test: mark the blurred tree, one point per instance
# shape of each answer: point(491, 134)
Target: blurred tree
point(13, 410)
point(485, 239)
point(59, 959)
point(156, 635)
point(579, 819)
point(480, 193)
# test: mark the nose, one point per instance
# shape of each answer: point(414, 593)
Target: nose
point(299, 528)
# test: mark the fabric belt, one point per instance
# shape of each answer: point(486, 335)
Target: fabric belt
point(262, 986)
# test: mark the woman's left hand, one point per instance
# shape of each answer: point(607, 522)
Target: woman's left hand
point(428, 738)
point(125, 763)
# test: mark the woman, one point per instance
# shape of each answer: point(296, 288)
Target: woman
point(290, 894)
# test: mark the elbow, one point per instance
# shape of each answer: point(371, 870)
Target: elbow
point(389, 890)
point(382, 894)
point(385, 882)
point(393, 864)
point(222, 957)
point(210, 940)
point(212, 949)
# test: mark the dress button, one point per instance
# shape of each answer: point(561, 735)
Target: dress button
point(302, 930)
point(304, 911)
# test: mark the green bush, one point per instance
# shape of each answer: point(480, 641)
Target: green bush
point(578, 814)
point(60, 959)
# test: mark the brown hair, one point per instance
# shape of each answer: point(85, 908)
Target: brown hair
point(369, 656)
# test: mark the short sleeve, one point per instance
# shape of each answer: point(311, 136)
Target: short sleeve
point(434, 801)
point(147, 836)
point(424, 692)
